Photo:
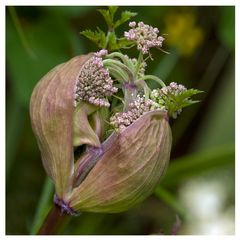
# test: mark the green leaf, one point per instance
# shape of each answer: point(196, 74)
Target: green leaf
point(103, 38)
point(218, 125)
point(49, 40)
point(110, 40)
point(15, 123)
point(185, 167)
point(93, 36)
point(44, 205)
point(112, 10)
point(174, 103)
point(116, 44)
point(68, 12)
point(124, 43)
point(108, 18)
point(226, 26)
point(188, 103)
point(125, 16)
point(171, 200)
point(20, 31)
point(98, 37)
point(187, 94)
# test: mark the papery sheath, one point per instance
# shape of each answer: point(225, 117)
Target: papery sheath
point(51, 110)
point(129, 169)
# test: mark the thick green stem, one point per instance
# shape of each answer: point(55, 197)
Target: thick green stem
point(139, 62)
point(122, 57)
point(117, 73)
point(107, 40)
point(118, 64)
point(152, 77)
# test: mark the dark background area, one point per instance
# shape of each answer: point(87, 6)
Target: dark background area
point(201, 42)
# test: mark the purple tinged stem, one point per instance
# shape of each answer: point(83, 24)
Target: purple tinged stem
point(55, 220)
point(130, 94)
point(89, 161)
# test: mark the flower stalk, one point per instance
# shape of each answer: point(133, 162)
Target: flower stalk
point(55, 221)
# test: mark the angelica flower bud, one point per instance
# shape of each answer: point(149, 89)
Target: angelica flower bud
point(132, 24)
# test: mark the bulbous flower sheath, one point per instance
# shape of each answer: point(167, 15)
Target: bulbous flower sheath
point(114, 173)
point(131, 165)
point(52, 116)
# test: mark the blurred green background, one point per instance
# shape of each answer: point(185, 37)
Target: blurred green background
point(197, 194)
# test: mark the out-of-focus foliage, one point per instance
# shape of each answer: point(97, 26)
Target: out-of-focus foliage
point(183, 32)
point(201, 45)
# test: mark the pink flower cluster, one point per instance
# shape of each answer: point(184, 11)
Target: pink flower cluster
point(94, 82)
point(137, 108)
point(161, 97)
point(173, 88)
point(145, 36)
